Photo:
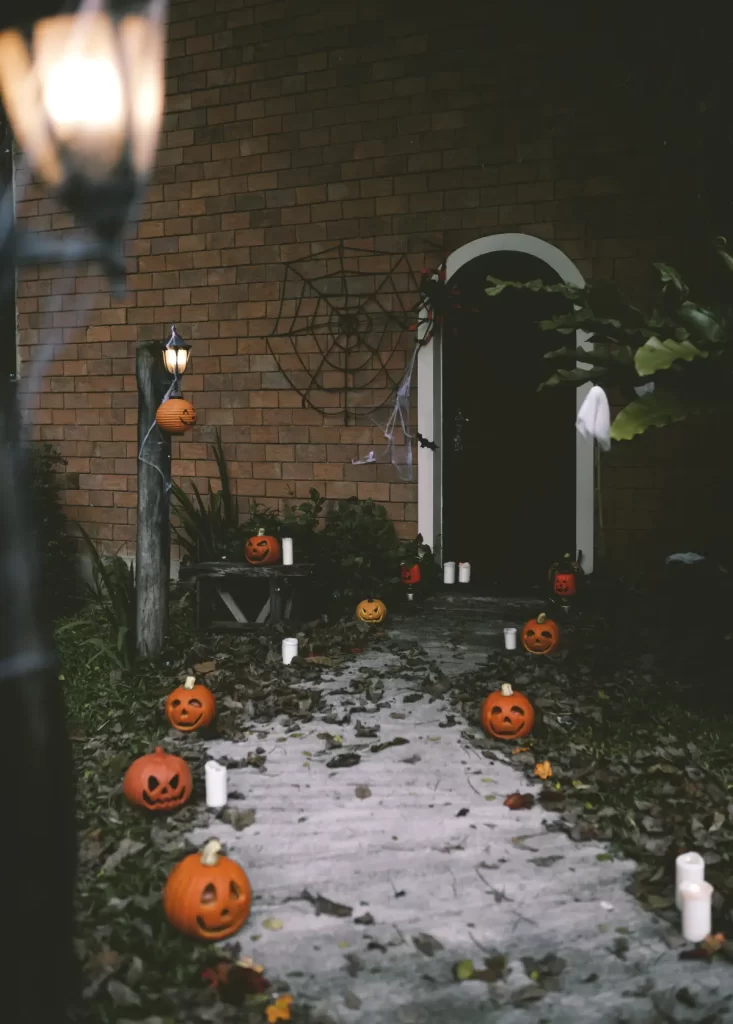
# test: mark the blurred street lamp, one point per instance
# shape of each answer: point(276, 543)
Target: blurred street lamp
point(84, 95)
point(176, 352)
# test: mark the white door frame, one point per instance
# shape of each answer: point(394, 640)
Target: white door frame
point(430, 401)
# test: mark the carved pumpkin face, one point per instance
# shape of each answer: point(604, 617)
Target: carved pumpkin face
point(176, 416)
point(207, 895)
point(371, 610)
point(507, 715)
point(158, 781)
point(563, 584)
point(262, 550)
point(410, 573)
point(541, 635)
point(191, 706)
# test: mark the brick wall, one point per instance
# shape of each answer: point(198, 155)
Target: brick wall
point(291, 126)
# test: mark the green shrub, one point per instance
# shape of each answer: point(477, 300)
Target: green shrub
point(354, 546)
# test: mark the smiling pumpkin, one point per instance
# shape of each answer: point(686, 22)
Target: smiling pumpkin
point(190, 706)
point(506, 714)
point(207, 895)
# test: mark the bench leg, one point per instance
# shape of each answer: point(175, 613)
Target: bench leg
point(276, 600)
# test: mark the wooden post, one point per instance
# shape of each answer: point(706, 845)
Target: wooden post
point(153, 560)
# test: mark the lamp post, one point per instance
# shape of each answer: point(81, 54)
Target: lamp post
point(153, 369)
point(83, 92)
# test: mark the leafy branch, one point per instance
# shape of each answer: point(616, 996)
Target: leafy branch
point(684, 349)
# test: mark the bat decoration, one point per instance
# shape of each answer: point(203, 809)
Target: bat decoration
point(424, 443)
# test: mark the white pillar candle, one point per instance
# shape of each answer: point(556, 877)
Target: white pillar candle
point(287, 546)
point(216, 784)
point(464, 572)
point(689, 867)
point(449, 572)
point(697, 910)
point(510, 638)
point(289, 649)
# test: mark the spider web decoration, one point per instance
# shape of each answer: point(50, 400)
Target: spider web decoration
point(342, 318)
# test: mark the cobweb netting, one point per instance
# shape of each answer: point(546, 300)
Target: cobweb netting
point(346, 336)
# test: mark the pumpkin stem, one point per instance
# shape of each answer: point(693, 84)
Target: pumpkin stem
point(190, 683)
point(506, 690)
point(542, 617)
point(210, 853)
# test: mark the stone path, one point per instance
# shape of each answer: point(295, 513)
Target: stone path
point(416, 841)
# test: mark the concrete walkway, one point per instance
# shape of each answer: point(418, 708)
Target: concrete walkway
point(415, 841)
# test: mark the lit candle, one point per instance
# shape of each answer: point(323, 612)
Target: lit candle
point(689, 867)
point(697, 910)
point(464, 572)
point(216, 784)
point(510, 638)
point(287, 546)
point(289, 649)
point(449, 572)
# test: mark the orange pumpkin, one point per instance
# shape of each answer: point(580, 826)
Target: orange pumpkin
point(410, 573)
point(207, 895)
point(158, 781)
point(371, 610)
point(564, 576)
point(506, 714)
point(176, 416)
point(191, 706)
point(262, 550)
point(563, 584)
point(541, 635)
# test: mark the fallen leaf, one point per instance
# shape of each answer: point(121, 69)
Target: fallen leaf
point(343, 761)
point(494, 968)
point(239, 820)
point(362, 792)
point(279, 1010)
point(519, 801)
point(127, 848)
point(713, 943)
point(399, 741)
point(272, 924)
point(543, 770)
point(351, 1000)
point(325, 906)
point(520, 750)
point(463, 970)
point(205, 667)
point(426, 944)
point(122, 995)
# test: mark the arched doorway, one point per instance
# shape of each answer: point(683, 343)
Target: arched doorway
point(511, 485)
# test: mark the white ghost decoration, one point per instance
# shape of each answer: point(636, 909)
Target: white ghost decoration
point(594, 418)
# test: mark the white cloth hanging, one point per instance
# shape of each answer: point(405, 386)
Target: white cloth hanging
point(594, 418)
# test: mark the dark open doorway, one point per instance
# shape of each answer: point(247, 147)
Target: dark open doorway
point(508, 450)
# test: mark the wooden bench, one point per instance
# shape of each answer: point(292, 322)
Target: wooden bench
point(227, 584)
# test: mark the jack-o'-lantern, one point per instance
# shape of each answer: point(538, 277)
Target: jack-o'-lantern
point(207, 895)
point(541, 635)
point(176, 415)
point(371, 610)
point(506, 714)
point(158, 781)
point(564, 576)
point(262, 550)
point(191, 706)
point(410, 573)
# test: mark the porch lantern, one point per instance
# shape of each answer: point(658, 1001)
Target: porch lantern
point(84, 94)
point(175, 354)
